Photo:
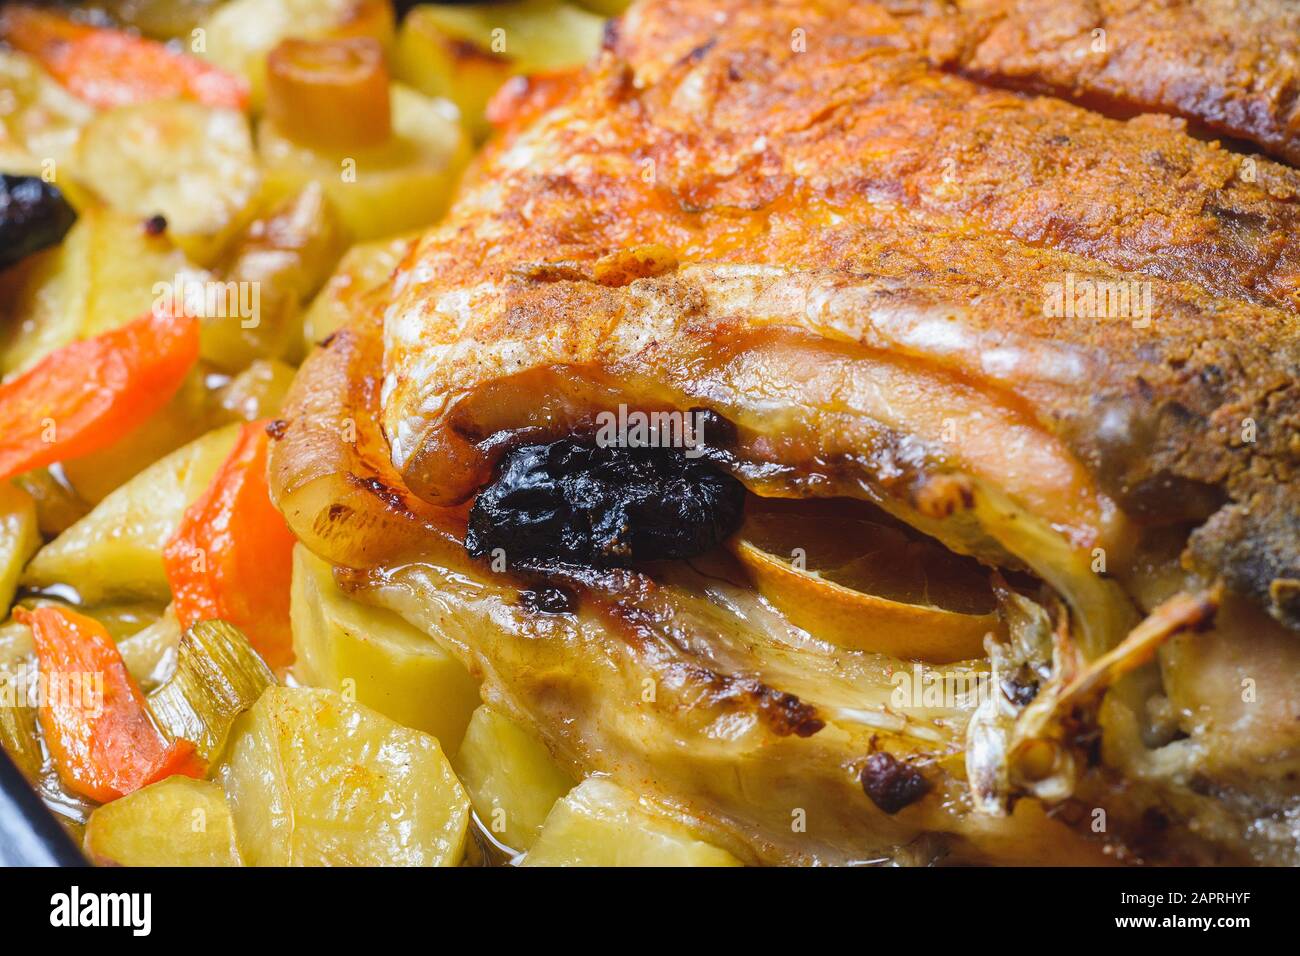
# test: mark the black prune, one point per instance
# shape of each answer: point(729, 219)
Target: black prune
point(33, 216)
point(575, 503)
point(891, 784)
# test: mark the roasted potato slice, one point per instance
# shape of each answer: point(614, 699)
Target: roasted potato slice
point(116, 550)
point(192, 164)
point(601, 824)
point(19, 538)
point(512, 779)
point(375, 657)
point(362, 268)
point(175, 822)
point(277, 264)
point(441, 63)
point(108, 271)
point(314, 780)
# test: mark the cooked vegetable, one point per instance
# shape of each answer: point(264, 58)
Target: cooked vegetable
point(150, 652)
point(285, 256)
point(364, 267)
point(116, 550)
point(852, 576)
point(33, 216)
point(19, 538)
point(231, 557)
point(314, 780)
point(330, 94)
point(174, 822)
point(242, 33)
point(105, 274)
point(87, 395)
point(41, 120)
point(218, 677)
point(537, 36)
point(193, 411)
point(601, 824)
point(191, 163)
point(112, 68)
point(58, 506)
point(512, 779)
point(376, 657)
point(258, 391)
point(439, 63)
point(393, 187)
point(94, 717)
point(160, 19)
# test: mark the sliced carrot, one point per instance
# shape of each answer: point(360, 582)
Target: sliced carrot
point(110, 68)
point(232, 556)
point(85, 396)
point(94, 716)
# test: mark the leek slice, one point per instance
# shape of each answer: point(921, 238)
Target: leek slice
point(218, 677)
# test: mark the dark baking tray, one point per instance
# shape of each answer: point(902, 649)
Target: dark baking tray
point(29, 834)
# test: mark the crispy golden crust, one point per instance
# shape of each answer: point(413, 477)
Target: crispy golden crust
point(881, 205)
point(1230, 66)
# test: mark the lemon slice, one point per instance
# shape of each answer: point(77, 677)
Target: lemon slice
point(851, 575)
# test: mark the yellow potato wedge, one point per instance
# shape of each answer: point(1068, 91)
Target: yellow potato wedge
point(115, 551)
point(106, 273)
point(277, 264)
point(437, 62)
point(375, 657)
point(512, 779)
point(313, 780)
point(384, 190)
point(362, 268)
point(534, 35)
point(175, 822)
point(193, 164)
point(601, 824)
point(19, 538)
point(41, 120)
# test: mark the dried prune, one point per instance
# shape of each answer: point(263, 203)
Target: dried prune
point(575, 503)
point(891, 784)
point(33, 216)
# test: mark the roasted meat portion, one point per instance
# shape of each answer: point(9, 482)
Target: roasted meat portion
point(1061, 344)
point(1232, 67)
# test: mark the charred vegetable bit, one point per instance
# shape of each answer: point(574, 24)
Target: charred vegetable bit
point(96, 723)
point(574, 503)
point(33, 216)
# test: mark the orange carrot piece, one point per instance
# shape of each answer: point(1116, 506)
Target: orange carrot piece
point(94, 716)
point(84, 397)
point(232, 556)
point(110, 68)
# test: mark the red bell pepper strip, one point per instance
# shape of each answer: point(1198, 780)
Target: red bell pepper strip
point(85, 396)
point(108, 68)
point(95, 719)
point(231, 558)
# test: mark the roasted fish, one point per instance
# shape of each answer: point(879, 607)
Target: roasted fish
point(1058, 346)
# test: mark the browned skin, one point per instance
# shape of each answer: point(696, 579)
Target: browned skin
point(852, 160)
point(1230, 66)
